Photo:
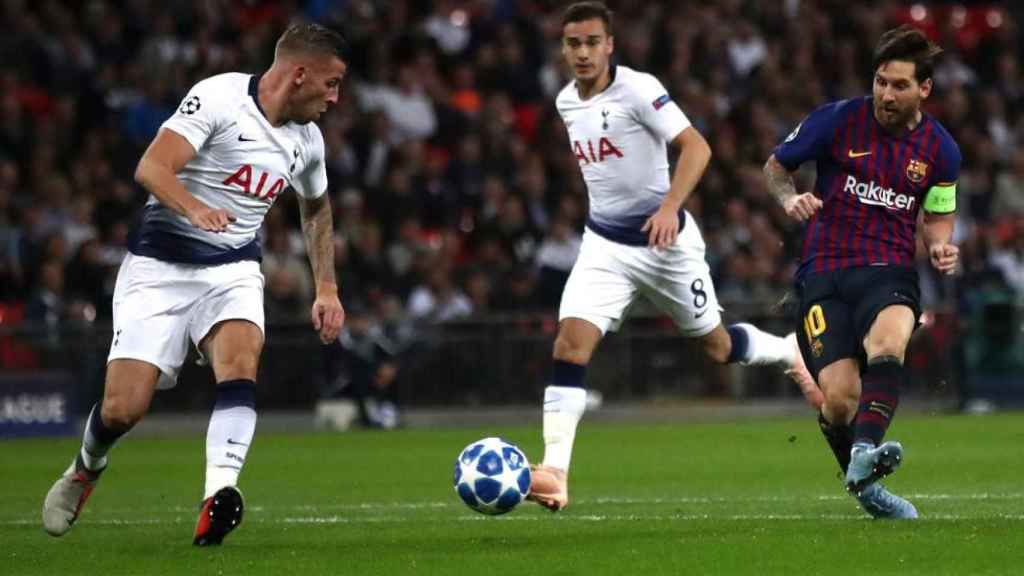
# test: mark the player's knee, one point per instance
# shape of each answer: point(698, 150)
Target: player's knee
point(242, 364)
point(717, 350)
point(568, 350)
point(121, 413)
point(885, 344)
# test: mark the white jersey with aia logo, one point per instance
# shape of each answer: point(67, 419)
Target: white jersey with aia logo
point(242, 164)
point(178, 281)
point(619, 137)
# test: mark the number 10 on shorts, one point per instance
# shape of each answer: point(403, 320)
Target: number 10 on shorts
point(814, 322)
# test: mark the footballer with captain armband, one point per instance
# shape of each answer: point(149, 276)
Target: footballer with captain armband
point(638, 242)
point(192, 275)
point(880, 160)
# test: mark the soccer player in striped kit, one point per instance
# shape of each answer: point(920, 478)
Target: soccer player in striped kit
point(880, 160)
point(639, 241)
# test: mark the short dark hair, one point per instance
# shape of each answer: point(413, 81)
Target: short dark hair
point(581, 11)
point(907, 44)
point(311, 38)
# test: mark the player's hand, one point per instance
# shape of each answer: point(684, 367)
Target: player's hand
point(944, 257)
point(328, 315)
point(662, 228)
point(210, 219)
point(801, 207)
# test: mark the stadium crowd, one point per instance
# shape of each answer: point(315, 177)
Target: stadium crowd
point(455, 191)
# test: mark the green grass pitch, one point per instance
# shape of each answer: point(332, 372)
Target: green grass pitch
point(756, 497)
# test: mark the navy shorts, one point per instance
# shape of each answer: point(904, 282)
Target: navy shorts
point(837, 309)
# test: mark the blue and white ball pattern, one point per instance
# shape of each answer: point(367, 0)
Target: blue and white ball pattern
point(492, 476)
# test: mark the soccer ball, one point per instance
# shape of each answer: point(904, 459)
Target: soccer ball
point(492, 476)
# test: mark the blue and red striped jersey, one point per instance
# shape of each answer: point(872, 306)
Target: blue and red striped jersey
point(871, 184)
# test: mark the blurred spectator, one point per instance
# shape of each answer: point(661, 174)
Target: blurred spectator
point(289, 285)
point(409, 247)
point(555, 260)
point(10, 263)
point(438, 299)
point(363, 366)
point(1009, 260)
point(1009, 196)
point(446, 141)
point(479, 291)
point(518, 290)
point(90, 278)
point(409, 111)
point(46, 306)
point(79, 226)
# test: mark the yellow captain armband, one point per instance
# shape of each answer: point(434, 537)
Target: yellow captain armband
point(941, 198)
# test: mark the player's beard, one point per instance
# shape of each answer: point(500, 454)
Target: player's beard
point(894, 117)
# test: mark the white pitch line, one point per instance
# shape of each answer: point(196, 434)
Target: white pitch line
point(259, 511)
point(795, 498)
point(600, 500)
point(592, 518)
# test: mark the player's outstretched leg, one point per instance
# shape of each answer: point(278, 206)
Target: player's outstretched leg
point(751, 346)
point(69, 493)
point(747, 345)
point(231, 430)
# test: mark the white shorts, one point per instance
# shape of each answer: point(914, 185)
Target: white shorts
point(160, 306)
point(608, 277)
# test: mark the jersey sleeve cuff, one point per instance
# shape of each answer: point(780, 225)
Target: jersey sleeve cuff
point(195, 140)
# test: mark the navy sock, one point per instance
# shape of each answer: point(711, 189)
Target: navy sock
point(740, 344)
point(840, 440)
point(567, 374)
point(97, 440)
point(232, 393)
point(879, 396)
point(103, 433)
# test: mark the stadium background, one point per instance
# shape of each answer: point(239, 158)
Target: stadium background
point(458, 202)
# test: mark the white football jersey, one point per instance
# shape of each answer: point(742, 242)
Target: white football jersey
point(242, 164)
point(619, 137)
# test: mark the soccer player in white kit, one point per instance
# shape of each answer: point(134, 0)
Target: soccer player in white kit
point(235, 144)
point(639, 241)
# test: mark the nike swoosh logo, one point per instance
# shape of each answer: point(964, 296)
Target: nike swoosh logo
point(244, 139)
point(232, 442)
point(701, 313)
point(853, 154)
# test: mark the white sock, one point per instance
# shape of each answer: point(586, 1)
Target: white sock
point(764, 348)
point(563, 408)
point(232, 425)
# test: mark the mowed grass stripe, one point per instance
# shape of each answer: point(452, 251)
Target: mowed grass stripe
point(721, 498)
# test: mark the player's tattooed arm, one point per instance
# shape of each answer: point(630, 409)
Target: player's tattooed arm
point(318, 230)
point(800, 207)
